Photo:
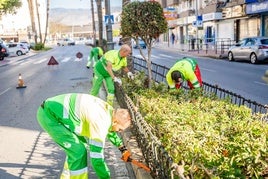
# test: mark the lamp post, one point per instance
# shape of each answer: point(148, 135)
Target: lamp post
point(196, 15)
point(109, 31)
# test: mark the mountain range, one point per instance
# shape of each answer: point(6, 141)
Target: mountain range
point(75, 16)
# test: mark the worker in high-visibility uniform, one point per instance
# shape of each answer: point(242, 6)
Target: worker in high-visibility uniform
point(94, 55)
point(77, 122)
point(111, 61)
point(185, 69)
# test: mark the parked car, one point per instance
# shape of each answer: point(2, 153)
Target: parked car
point(89, 42)
point(26, 44)
point(3, 51)
point(17, 49)
point(141, 43)
point(65, 42)
point(254, 49)
point(32, 45)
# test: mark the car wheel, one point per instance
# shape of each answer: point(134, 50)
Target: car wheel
point(253, 58)
point(2, 58)
point(230, 56)
point(19, 53)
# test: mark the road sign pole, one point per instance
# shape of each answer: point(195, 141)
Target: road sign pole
point(109, 30)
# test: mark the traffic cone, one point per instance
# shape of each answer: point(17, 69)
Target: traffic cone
point(265, 77)
point(21, 82)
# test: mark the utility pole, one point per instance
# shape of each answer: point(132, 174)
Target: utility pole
point(109, 30)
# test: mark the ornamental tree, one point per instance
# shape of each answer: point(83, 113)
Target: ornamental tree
point(9, 6)
point(144, 20)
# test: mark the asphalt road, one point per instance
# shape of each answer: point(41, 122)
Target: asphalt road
point(239, 77)
point(26, 151)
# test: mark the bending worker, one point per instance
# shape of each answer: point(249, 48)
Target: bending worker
point(94, 55)
point(77, 122)
point(111, 61)
point(185, 69)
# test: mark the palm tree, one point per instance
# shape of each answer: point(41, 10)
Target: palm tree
point(93, 23)
point(38, 20)
point(31, 9)
point(99, 9)
point(47, 14)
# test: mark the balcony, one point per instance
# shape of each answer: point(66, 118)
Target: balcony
point(187, 13)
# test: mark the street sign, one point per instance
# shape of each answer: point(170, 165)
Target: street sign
point(107, 17)
point(199, 21)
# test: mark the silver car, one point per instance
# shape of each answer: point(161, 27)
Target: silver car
point(254, 49)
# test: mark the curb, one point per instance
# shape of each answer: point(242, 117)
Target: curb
point(132, 145)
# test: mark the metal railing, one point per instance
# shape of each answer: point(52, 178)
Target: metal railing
point(208, 45)
point(159, 75)
point(156, 157)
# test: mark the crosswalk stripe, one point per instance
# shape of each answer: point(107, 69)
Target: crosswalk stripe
point(25, 62)
point(66, 59)
point(40, 61)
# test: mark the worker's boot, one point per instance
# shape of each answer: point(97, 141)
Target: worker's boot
point(110, 99)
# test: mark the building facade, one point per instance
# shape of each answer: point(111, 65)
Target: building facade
point(211, 21)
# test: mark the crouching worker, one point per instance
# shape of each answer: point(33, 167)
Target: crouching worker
point(77, 122)
point(185, 69)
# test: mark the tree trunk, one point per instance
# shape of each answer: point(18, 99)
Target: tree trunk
point(38, 20)
point(127, 40)
point(31, 9)
point(99, 9)
point(47, 16)
point(93, 23)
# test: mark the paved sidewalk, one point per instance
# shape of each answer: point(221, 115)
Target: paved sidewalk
point(185, 48)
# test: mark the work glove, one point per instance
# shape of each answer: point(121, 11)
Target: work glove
point(130, 75)
point(125, 154)
point(118, 80)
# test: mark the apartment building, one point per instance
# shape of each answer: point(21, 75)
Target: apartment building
point(214, 20)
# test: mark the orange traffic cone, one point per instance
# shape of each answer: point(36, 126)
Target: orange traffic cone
point(21, 82)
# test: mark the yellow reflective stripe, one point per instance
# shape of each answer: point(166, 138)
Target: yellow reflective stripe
point(96, 143)
point(78, 129)
point(66, 106)
point(96, 155)
point(78, 172)
point(75, 174)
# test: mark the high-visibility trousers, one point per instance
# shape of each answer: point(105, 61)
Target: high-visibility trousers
point(74, 146)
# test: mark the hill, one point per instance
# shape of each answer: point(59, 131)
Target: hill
point(75, 16)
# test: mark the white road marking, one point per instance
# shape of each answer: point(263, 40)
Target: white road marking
point(40, 61)
point(208, 69)
point(4, 91)
point(14, 62)
point(78, 59)
point(66, 59)
point(265, 84)
point(168, 56)
point(25, 62)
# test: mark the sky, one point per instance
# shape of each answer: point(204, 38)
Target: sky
point(75, 4)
